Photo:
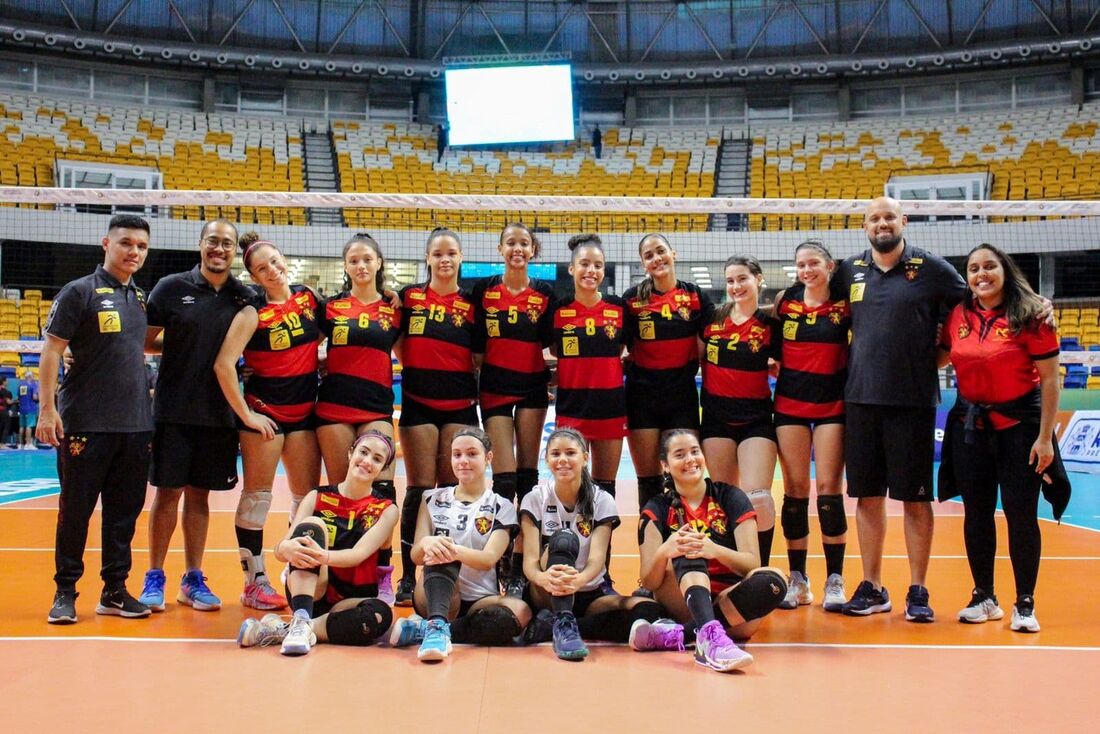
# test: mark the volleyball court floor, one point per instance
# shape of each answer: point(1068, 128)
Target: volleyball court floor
point(182, 671)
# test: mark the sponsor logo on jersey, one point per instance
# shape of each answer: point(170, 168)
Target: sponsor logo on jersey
point(610, 313)
point(461, 305)
point(109, 322)
point(416, 324)
point(104, 290)
point(339, 336)
point(441, 502)
point(646, 330)
point(328, 499)
point(790, 329)
point(341, 305)
point(492, 295)
point(278, 339)
point(536, 300)
point(568, 312)
point(414, 296)
point(552, 508)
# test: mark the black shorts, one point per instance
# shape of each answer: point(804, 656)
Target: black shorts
point(203, 457)
point(414, 413)
point(889, 451)
point(782, 419)
point(308, 423)
point(738, 432)
point(535, 400)
point(662, 407)
point(319, 421)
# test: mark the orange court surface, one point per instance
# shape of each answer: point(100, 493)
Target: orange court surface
point(181, 671)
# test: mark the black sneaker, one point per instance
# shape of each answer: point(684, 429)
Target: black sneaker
point(916, 605)
point(119, 603)
point(516, 587)
point(867, 600)
point(540, 629)
point(63, 610)
point(403, 597)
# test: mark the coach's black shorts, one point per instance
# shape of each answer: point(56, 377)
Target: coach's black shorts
point(662, 407)
point(415, 413)
point(889, 450)
point(203, 457)
point(535, 400)
point(738, 432)
point(783, 419)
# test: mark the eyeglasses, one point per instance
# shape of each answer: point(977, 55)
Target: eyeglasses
point(216, 243)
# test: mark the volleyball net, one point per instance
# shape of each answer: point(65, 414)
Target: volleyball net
point(51, 236)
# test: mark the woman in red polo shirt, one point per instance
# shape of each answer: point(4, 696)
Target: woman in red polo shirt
point(1000, 432)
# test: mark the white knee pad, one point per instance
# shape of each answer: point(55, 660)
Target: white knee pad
point(252, 509)
point(764, 505)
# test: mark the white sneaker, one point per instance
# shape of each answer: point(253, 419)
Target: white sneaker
point(835, 595)
point(299, 638)
point(798, 592)
point(982, 608)
point(1023, 620)
point(269, 630)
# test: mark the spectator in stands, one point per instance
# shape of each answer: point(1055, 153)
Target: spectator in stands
point(103, 444)
point(9, 408)
point(194, 440)
point(597, 141)
point(441, 140)
point(28, 410)
point(897, 293)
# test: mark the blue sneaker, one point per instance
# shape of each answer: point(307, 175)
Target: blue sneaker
point(568, 644)
point(916, 605)
point(152, 593)
point(437, 641)
point(408, 631)
point(195, 593)
point(867, 601)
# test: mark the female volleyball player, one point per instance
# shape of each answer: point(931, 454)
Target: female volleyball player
point(332, 548)
point(515, 327)
point(1000, 432)
point(439, 391)
point(737, 428)
point(566, 527)
point(700, 556)
point(278, 336)
point(664, 320)
point(809, 413)
point(461, 534)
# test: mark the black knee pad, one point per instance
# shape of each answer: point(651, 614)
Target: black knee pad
point(648, 488)
point(359, 626)
point(504, 484)
point(385, 489)
point(758, 595)
point(650, 611)
point(449, 570)
point(494, 626)
point(795, 517)
point(607, 485)
point(310, 529)
point(830, 513)
point(563, 548)
point(526, 479)
point(682, 565)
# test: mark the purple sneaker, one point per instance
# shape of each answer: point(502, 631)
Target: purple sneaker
point(715, 650)
point(664, 634)
point(385, 585)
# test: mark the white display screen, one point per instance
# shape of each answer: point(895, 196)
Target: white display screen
point(509, 104)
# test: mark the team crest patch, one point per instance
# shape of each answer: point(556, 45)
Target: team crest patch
point(533, 314)
point(458, 320)
point(964, 331)
point(609, 329)
point(584, 527)
point(482, 524)
point(835, 318)
point(718, 525)
point(385, 323)
point(77, 444)
point(754, 345)
point(685, 312)
point(368, 521)
point(910, 274)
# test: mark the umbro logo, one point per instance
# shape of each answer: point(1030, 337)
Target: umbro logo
point(858, 276)
point(106, 304)
point(188, 299)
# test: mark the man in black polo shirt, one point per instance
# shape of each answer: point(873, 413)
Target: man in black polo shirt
point(194, 440)
point(898, 294)
point(102, 423)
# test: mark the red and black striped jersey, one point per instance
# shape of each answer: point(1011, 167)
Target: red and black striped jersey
point(514, 329)
point(663, 332)
point(347, 520)
point(437, 353)
point(358, 386)
point(283, 357)
point(589, 343)
point(813, 356)
point(735, 369)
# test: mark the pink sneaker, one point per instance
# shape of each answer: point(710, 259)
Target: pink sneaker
point(385, 585)
point(664, 634)
point(715, 650)
point(260, 595)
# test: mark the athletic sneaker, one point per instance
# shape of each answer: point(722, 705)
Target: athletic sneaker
point(568, 644)
point(268, 630)
point(540, 629)
point(404, 595)
point(982, 608)
point(385, 585)
point(798, 592)
point(607, 586)
point(715, 650)
point(408, 631)
point(152, 591)
point(1023, 615)
point(516, 586)
point(835, 596)
point(259, 594)
point(664, 634)
point(916, 605)
point(119, 603)
point(437, 641)
point(63, 610)
point(867, 600)
point(299, 635)
point(196, 594)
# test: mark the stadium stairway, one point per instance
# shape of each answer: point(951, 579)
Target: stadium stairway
point(732, 180)
point(321, 175)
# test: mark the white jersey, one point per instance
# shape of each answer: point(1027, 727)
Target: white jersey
point(470, 524)
point(551, 515)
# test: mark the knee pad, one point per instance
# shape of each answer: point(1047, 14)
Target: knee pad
point(504, 484)
point(252, 509)
point(648, 488)
point(494, 626)
point(764, 505)
point(443, 570)
point(385, 489)
point(607, 485)
point(682, 565)
point(650, 611)
point(830, 513)
point(563, 548)
point(311, 529)
point(758, 595)
point(796, 517)
point(359, 626)
point(526, 479)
